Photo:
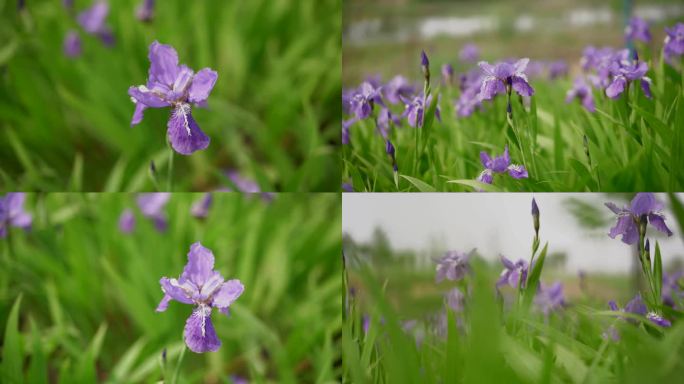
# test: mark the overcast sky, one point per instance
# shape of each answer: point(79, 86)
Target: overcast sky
point(496, 224)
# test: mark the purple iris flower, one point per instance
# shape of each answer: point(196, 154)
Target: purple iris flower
point(68, 4)
point(72, 44)
point(245, 185)
point(12, 213)
point(499, 164)
point(674, 42)
point(238, 379)
point(205, 288)
point(363, 100)
point(581, 91)
point(558, 69)
point(513, 273)
point(455, 299)
point(177, 86)
point(550, 298)
point(347, 95)
point(346, 124)
point(534, 69)
point(365, 323)
point(447, 73)
point(152, 206)
point(389, 149)
point(347, 187)
point(644, 204)
point(92, 20)
point(413, 110)
point(200, 208)
point(498, 78)
point(396, 89)
point(625, 71)
point(672, 290)
point(127, 221)
point(470, 53)
point(452, 266)
point(635, 306)
point(658, 319)
point(145, 10)
point(637, 29)
point(470, 93)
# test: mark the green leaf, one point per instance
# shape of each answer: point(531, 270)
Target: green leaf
point(476, 185)
point(658, 273)
point(533, 279)
point(421, 185)
point(12, 356)
point(37, 372)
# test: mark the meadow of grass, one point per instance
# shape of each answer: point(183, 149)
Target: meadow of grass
point(628, 144)
point(273, 114)
point(399, 326)
point(78, 297)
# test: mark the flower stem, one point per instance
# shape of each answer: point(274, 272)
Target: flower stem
point(176, 372)
point(169, 178)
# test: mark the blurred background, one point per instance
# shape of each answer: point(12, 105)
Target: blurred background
point(84, 291)
point(273, 115)
point(385, 37)
point(401, 236)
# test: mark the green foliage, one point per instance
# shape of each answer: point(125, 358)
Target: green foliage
point(273, 114)
point(88, 293)
point(628, 144)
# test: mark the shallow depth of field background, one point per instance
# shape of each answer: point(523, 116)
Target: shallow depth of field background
point(273, 114)
point(397, 30)
point(89, 293)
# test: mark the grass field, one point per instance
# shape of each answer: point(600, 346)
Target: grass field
point(273, 114)
point(78, 296)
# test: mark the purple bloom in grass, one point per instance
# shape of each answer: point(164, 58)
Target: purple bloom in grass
point(558, 69)
point(389, 148)
point(92, 20)
point(200, 208)
point(235, 379)
point(68, 4)
point(177, 86)
point(502, 75)
point(637, 29)
point(550, 298)
point(12, 213)
point(72, 44)
point(644, 204)
point(413, 111)
point(625, 71)
point(514, 273)
point(242, 184)
point(127, 221)
point(581, 91)
point(499, 164)
point(534, 69)
point(397, 88)
point(383, 121)
point(447, 73)
point(205, 288)
point(346, 124)
point(152, 206)
point(469, 53)
point(363, 100)
point(145, 10)
point(674, 42)
point(347, 187)
point(365, 323)
point(452, 266)
point(658, 319)
point(672, 290)
point(455, 299)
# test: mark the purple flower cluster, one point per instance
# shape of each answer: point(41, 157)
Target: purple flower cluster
point(93, 22)
point(452, 266)
point(151, 205)
point(674, 42)
point(499, 164)
point(172, 85)
point(201, 286)
point(414, 109)
point(470, 53)
point(582, 92)
point(644, 205)
point(549, 298)
point(469, 100)
point(12, 213)
point(638, 29)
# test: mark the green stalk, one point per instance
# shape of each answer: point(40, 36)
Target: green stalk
point(178, 365)
point(169, 178)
